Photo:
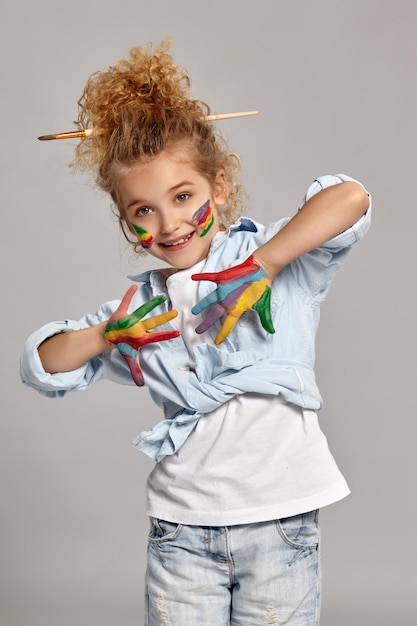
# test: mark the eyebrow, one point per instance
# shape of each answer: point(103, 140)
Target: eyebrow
point(184, 183)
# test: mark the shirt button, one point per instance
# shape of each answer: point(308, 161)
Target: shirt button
point(183, 368)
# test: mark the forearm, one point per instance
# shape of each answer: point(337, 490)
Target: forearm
point(67, 351)
point(325, 215)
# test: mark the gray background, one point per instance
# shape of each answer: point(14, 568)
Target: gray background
point(335, 82)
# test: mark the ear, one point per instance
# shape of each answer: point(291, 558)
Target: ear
point(221, 192)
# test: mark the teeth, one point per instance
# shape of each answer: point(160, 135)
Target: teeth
point(179, 242)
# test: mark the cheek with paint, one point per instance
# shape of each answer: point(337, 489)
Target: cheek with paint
point(204, 217)
point(144, 237)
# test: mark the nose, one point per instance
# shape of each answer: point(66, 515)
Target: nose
point(169, 223)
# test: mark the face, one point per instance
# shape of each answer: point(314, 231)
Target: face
point(171, 208)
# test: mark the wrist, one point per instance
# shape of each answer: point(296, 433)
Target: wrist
point(102, 336)
point(262, 262)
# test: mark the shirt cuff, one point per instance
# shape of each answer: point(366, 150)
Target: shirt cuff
point(33, 373)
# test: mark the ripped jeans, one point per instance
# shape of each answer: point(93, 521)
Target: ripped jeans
point(263, 574)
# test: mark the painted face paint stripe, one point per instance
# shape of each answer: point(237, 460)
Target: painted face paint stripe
point(144, 237)
point(204, 218)
point(209, 225)
point(200, 214)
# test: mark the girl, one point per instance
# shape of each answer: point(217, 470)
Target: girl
point(242, 466)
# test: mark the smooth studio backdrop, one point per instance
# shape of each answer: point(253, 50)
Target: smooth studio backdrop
point(335, 83)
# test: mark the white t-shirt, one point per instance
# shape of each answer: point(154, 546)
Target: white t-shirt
point(253, 459)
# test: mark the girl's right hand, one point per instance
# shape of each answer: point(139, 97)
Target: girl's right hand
point(129, 333)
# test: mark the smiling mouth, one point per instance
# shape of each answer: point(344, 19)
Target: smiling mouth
point(178, 242)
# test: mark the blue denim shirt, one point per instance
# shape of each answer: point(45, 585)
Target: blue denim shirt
point(249, 360)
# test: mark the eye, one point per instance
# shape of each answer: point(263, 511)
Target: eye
point(182, 197)
point(145, 210)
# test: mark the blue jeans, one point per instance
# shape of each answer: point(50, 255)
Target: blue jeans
point(263, 574)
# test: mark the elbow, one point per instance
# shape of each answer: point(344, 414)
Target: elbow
point(357, 199)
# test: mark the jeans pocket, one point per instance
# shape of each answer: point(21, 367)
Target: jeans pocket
point(162, 531)
point(300, 531)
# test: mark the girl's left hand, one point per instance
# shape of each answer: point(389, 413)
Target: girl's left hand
point(239, 289)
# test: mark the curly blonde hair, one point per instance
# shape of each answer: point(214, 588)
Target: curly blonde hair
point(140, 107)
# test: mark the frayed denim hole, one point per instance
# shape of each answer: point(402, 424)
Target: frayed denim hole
point(162, 611)
point(271, 618)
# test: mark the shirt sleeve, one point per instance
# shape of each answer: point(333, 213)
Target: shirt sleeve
point(357, 230)
point(107, 365)
point(315, 270)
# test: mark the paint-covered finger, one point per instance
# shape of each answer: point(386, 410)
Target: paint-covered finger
point(122, 309)
point(163, 335)
point(214, 315)
point(147, 307)
point(232, 273)
point(263, 309)
point(227, 327)
point(131, 357)
point(211, 298)
point(245, 301)
point(137, 315)
point(157, 320)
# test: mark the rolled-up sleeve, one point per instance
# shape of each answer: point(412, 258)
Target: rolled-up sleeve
point(106, 365)
point(357, 230)
point(314, 271)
